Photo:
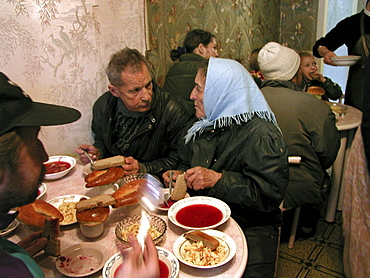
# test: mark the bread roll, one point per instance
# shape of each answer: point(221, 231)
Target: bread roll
point(94, 216)
point(127, 194)
point(206, 239)
point(179, 191)
point(51, 232)
point(103, 200)
point(103, 177)
point(315, 90)
point(106, 163)
point(34, 214)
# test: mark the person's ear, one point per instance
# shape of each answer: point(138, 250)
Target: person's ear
point(201, 49)
point(113, 90)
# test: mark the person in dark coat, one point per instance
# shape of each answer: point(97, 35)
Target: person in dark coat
point(308, 127)
point(135, 118)
point(198, 44)
point(235, 152)
point(354, 32)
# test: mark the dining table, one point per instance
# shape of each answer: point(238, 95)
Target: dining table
point(73, 183)
point(347, 125)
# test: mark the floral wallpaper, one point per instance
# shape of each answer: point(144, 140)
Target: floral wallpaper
point(57, 52)
point(239, 26)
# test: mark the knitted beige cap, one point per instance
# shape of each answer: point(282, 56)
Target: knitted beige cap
point(278, 62)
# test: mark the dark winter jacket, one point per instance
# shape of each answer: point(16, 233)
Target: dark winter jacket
point(180, 77)
point(155, 142)
point(309, 130)
point(253, 161)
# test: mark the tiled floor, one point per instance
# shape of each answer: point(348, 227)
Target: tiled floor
point(318, 256)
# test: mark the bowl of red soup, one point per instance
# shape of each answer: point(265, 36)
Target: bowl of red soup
point(199, 213)
point(169, 266)
point(58, 166)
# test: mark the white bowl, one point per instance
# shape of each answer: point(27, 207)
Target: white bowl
point(164, 255)
point(194, 203)
point(42, 190)
point(345, 60)
point(81, 260)
point(62, 158)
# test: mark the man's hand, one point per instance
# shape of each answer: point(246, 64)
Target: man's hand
point(166, 176)
point(131, 166)
point(34, 243)
point(326, 54)
point(93, 152)
point(200, 178)
point(137, 264)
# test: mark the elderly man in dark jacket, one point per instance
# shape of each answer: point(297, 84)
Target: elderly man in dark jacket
point(235, 152)
point(308, 127)
point(135, 118)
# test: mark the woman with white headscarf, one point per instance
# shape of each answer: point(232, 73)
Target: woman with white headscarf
point(235, 152)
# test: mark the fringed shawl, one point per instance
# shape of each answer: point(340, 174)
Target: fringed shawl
point(230, 96)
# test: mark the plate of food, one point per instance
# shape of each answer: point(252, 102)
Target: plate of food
point(41, 191)
point(11, 227)
point(199, 213)
point(82, 260)
point(168, 264)
point(345, 60)
point(215, 248)
point(66, 205)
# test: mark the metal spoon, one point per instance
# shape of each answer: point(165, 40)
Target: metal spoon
point(92, 162)
point(167, 196)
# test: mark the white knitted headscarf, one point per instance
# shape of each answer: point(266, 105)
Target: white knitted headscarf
point(278, 62)
point(230, 96)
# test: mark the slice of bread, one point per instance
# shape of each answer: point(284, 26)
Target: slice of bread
point(179, 191)
point(105, 163)
point(103, 200)
point(51, 232)
point(207, 240)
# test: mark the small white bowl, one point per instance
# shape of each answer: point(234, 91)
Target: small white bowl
point(164, 255)
point(62, 158)
point(345, 60)
point(42, 190)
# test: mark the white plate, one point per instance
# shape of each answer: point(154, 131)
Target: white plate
point(164, 191)
point(12, 226)
point(222, 206)
point(82, 259)
point(345, 60)
point(56, 202)
point(42, 190)
point(224, 240)
point(64, 158)
point(164, 255)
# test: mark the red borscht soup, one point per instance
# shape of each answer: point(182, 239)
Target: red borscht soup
point(56, 167)
point(164, 272)
point(199, 216)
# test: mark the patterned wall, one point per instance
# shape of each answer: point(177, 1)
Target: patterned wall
point(57, 51)
point(239, 26)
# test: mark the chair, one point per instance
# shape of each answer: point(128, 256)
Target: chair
point(293, 231)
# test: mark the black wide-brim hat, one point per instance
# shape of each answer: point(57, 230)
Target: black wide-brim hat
point(18, 109)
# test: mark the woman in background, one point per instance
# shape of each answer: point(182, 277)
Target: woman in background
point(198, 44)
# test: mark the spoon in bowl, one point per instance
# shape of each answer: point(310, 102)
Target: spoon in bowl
point(167, 196)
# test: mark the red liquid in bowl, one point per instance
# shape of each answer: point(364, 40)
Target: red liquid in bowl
point(56, 167)
point(199, 216)
point(164, 272)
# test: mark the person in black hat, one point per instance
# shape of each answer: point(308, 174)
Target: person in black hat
point(21, 169)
